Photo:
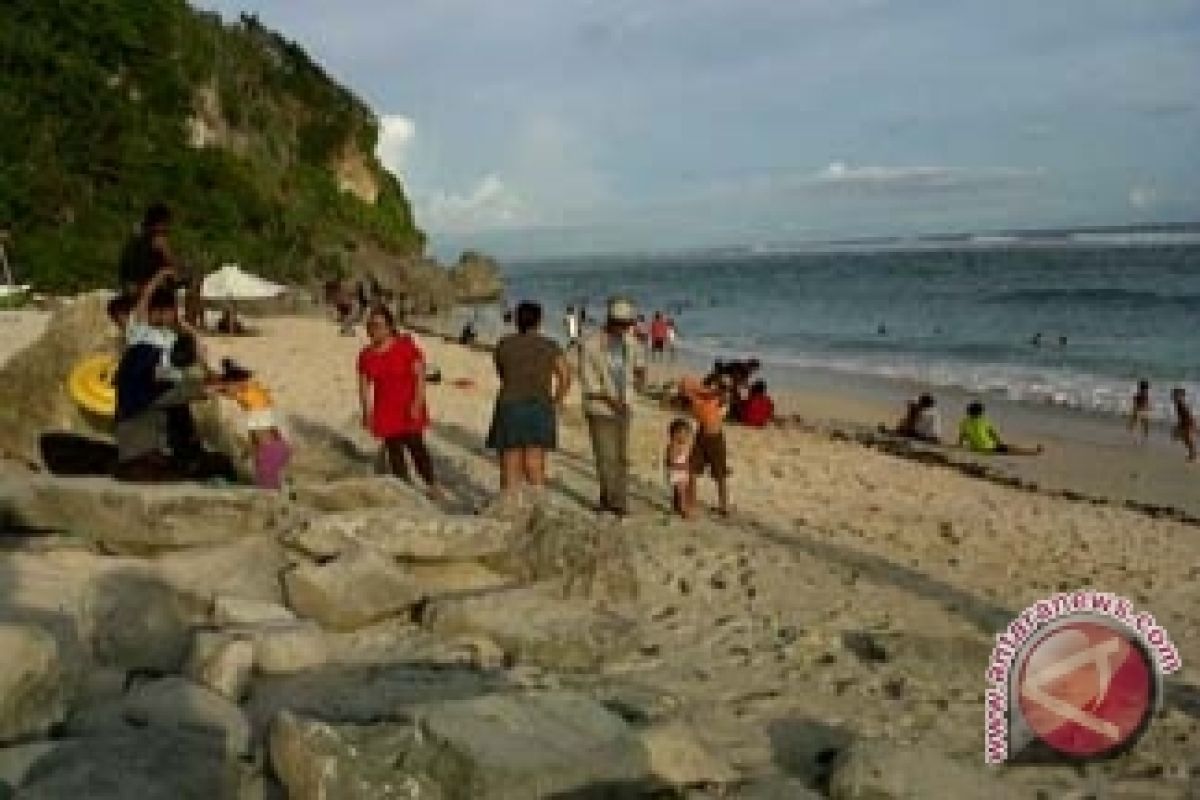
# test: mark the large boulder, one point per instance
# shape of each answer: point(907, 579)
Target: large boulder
point(134, 620)
point(248, 571)
point(498, 746)
point(417, 538)
point(151, 764)
point(33, 394)
point(536, 624)
point(130, 519)
point(34, 687)
point(352, 591)
point(476, 278)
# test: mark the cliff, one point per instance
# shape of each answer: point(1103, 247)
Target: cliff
point(107, 106)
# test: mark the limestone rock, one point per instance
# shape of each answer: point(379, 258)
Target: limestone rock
point(318, 761)
point(232, 610)
point(288, 647)
point(221, 663)
point(179, 704)
point(33, 686)
point(779, 788)
point(16, 762)
point(356, 589)
point(877, 770)
point(476, 278)
point(678, 757)
point(131, 519)
point(382, 530)
point(147, 765)
point(248, 570)
point(510, 746)
point(355, 494)
point(536, 624)
point(135, 621)
point(435, 579)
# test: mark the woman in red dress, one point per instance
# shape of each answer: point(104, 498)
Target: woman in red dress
point(391, 383)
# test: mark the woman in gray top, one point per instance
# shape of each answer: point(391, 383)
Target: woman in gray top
point(534, 381)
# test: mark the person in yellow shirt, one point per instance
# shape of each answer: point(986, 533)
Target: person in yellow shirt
point(270, 450)
point(978, 434)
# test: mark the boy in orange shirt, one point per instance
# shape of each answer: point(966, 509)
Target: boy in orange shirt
point(710, 405)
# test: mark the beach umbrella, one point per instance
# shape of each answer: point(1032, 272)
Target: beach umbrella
point(231, 282)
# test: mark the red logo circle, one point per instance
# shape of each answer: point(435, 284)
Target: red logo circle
point(1086, 689)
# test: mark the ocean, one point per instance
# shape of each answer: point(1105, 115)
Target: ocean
point(949, 314)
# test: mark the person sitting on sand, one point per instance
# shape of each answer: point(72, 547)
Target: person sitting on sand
point(391, 389)
point(921, 421)
point(709, 403)
point(759, 408)
point(979, 435)
point(1139, 410)
point(1185, 422)
point(677, 464)
point(271, 452)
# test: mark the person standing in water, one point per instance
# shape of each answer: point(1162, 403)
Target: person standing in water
point(1139, 413)
point(1185, 422)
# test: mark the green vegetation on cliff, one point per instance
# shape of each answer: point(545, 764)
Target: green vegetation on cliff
point(109, 105)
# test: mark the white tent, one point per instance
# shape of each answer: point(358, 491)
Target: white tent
point(230, 282)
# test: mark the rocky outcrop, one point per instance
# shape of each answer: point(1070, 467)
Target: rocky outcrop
point(877, 770)
point(352, 591)
point(383, 531)
point(354, 174)
point(34, 689)
point(477, 278)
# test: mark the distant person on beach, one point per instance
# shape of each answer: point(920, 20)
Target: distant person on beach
point(1139, 411)
point(344, 306)
point(391, 389)
point(709, 403)
point(468, 336)
point(921, 421)
point(677, 464)
point(978, 434)
point(1036, 341)
point(269, 450)
point(611, 368)
point(672, 337)
point(534, 381)
point(1185, 422)
point(759, 408)
point(659, 333)
point(571, 325)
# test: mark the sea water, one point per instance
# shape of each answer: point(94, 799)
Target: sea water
point(966, 315)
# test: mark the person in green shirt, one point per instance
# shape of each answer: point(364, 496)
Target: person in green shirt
point(978, 434)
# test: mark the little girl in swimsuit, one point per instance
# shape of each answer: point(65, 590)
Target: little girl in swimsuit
point(676, 463)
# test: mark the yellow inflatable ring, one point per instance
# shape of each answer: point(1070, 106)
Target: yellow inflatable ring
point(91, 385)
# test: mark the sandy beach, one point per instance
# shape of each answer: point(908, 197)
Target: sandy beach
point(852, 594)
point(828, 537)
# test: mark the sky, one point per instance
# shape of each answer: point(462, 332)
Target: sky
point(547, 127)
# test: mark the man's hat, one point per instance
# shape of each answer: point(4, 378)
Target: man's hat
point(621, 310)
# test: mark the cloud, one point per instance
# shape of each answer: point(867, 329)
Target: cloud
point(838, 173)
point(396, 134)
point(1142, 197)
point(489, 205)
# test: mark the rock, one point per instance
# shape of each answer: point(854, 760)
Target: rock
point(248, 570)
point(476, 278)
point(176, 703)
point(231, 610)
point(679, 758)
point(435, 579)
point(532, 744)
point(778, 788)
point(382, 530)
point(16, 762)
point(284, 648)
point(356, 494)
point(221, 663)
point(34, 690)
point(133, 519)
point(356, 589)
point(878, 770)
point(535, 624)
point(317, 761)
point(133, 620)
point(147, 765)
